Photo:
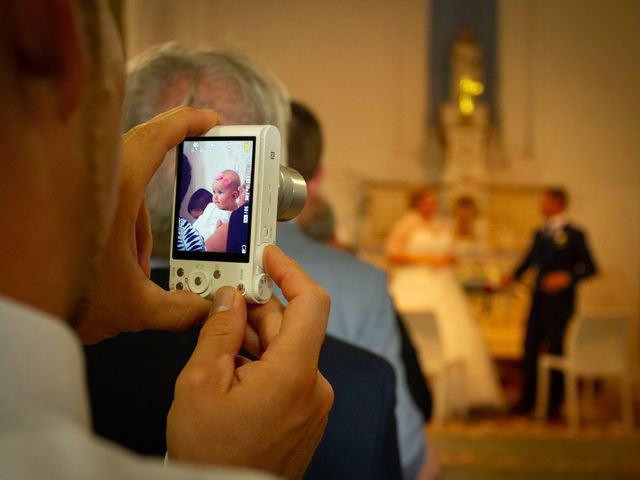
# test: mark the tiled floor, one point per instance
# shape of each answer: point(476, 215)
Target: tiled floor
point(522, 452)
point(509, 447)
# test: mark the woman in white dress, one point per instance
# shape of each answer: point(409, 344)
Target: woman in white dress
point(421, 249)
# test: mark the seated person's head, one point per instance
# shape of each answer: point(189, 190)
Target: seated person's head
point(226, 190)
point(304, 147)
point(225, 80)
point(465, 213)
point(317, 220)
point(199, 201)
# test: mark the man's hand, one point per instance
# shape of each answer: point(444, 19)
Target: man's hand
point(268, 414)
point(556, 281)
point(124, 299)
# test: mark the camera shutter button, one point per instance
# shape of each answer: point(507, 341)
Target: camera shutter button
point(259, 258)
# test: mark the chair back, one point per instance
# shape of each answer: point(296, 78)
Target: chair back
point(597, 342)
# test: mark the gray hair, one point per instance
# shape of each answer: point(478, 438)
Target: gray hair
point(223, 79)
point(263, 98)
point(151, 76)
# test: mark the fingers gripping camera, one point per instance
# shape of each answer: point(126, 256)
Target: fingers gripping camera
point(230, 190)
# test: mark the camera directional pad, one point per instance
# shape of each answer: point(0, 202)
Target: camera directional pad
point(198, 281)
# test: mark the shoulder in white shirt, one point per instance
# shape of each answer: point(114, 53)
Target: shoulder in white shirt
point(44, 413)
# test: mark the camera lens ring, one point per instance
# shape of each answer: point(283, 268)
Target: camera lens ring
point(292, 193)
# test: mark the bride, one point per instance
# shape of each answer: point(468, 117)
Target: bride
point(421, 249)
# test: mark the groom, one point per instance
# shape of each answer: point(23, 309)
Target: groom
point(559, 252)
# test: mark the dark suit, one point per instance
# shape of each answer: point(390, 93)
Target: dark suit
point(131, 379)
point(238, 232)
point(564, 249)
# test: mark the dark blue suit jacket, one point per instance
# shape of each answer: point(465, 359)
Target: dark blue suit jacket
point(565, 250)
point(131, 379)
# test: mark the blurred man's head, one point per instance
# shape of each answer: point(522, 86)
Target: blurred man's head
point(240, 90)
point(158, 80)
point(554, 201)
point(61, 86)
point(317, 220)
point(305, 145)
point(225, 80)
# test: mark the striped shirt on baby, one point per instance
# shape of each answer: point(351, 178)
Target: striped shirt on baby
point(189, 240)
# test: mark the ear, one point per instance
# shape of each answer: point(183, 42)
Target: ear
point(315, 183)
point(47, 45)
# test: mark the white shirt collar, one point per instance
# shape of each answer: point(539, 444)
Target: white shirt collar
point(41, 363)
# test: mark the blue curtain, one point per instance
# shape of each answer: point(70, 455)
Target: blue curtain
point(447, 19)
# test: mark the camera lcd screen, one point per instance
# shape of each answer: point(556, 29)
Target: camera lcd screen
point(213, 204)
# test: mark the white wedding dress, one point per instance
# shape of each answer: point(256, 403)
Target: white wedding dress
point(423, 289)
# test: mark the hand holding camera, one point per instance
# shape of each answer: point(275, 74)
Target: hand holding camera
point(279, 400)
point(123, 298)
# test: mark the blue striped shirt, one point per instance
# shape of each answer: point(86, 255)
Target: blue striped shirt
point(189, 240)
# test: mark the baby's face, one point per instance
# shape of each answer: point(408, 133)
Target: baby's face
point(224, 197)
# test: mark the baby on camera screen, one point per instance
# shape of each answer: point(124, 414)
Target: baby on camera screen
point(214, 186)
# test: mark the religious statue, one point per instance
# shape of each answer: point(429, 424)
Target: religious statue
point(465, 118)
point(465, 60)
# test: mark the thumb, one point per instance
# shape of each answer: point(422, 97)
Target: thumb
point(220, 339)
point(175, 310)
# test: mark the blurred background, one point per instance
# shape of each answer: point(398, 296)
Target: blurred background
point(491, 100)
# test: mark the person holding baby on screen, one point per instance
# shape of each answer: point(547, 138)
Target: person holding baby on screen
point(226, 193)
point(217, 168)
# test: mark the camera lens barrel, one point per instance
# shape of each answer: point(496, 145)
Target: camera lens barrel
point(292, 193)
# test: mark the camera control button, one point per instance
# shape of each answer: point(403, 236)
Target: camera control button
point(241, 288)
point(264, 287)
point(180, 272)
point(179, 286)
point(198, 282)
point(216, 274)
point(260, 255)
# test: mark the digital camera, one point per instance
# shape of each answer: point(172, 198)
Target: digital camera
point(230, 191)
